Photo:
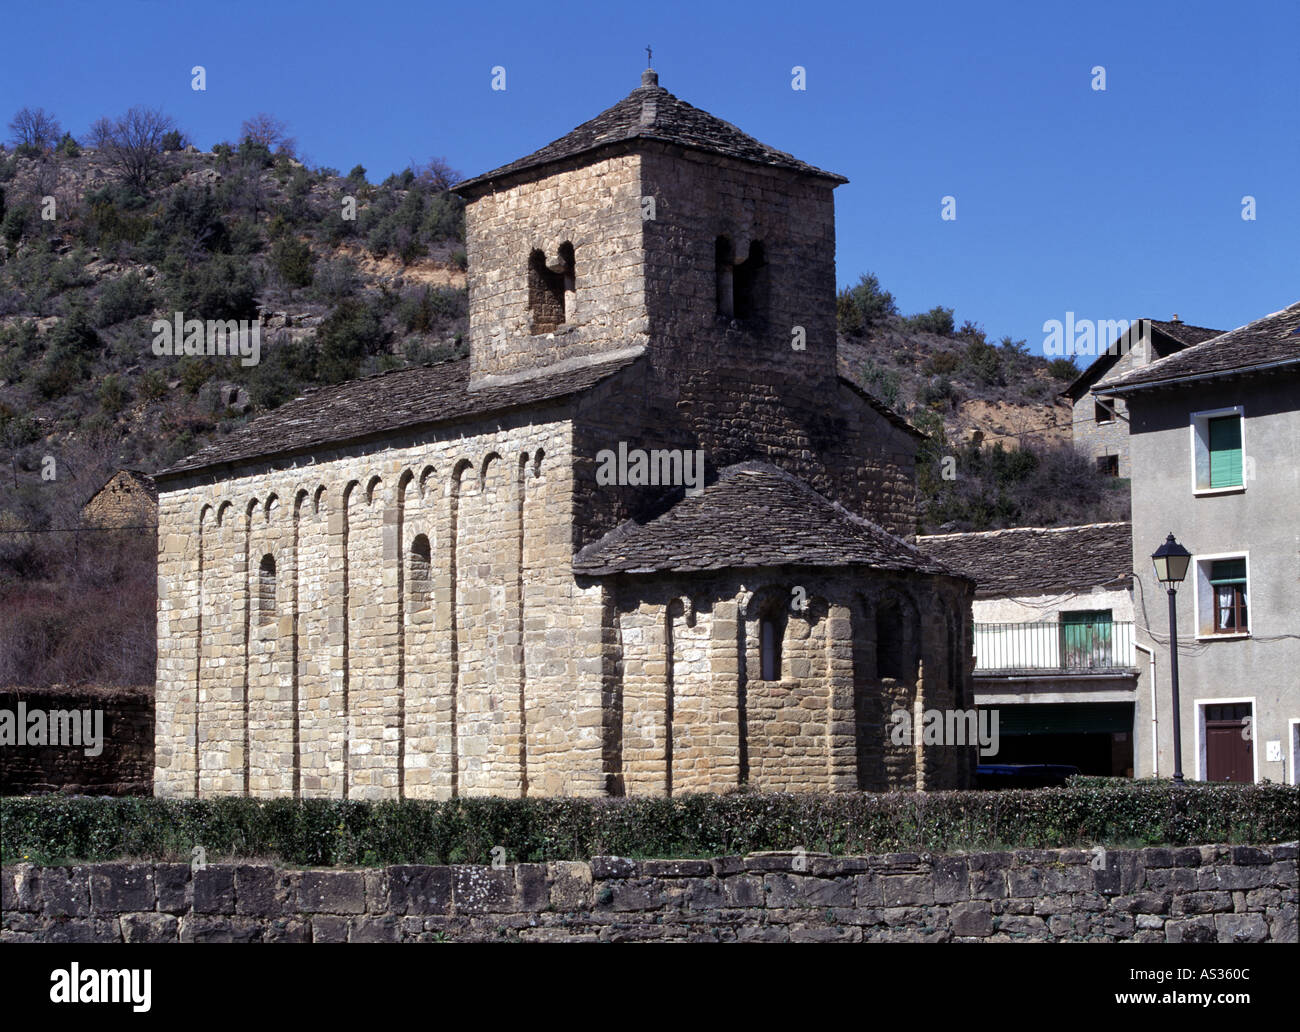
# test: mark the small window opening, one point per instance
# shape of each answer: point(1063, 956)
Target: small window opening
point(889, 642)
point(725, 262)
point(1102, 413)
point(548, 285)
point(1108, 465)
point(747, 283)
point(421, 573)
point(266, 591)
point(770, 648)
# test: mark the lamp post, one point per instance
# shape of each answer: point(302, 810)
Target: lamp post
point(1171, 561)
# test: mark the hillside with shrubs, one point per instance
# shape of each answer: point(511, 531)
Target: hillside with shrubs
point(133, 221)
point(998, 450)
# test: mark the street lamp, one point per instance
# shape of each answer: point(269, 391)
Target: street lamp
point(1171, 561)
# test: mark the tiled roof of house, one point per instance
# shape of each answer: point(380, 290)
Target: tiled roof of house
point(753, 515)
point(378, 405)
point(1167, 338)
point(1271, 341)
point(1038, 560)
point(650, 112)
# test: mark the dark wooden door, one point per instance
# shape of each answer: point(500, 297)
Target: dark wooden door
point(1228, 750)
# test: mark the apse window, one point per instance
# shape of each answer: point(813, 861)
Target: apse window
point(770, 649)
point(1217, 451)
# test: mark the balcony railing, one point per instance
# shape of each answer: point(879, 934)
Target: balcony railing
point(1053, 647)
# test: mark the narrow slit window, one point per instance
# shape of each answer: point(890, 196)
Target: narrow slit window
point(266, 591)
point(420, 573)
point(747, 286)
point(725, 262)
point(770, 649)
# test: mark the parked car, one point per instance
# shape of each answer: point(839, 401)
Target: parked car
point(1023, 775)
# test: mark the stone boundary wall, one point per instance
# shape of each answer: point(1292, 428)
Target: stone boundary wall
point(1191, 894)
point(124, 765)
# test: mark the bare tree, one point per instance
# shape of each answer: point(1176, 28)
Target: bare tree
point(438, 173)
point(99, 134)
point(35, 128)
point(270, 132)
point(134, 145)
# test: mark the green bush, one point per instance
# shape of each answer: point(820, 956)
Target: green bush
point(336, 832)
point(1062, 369)
point(113, 395)
point(293, 261)
point(352, 332)
point(882, 382)
point(123, 298)
point(983, 361)
point(860, 307)
point(223, 287)
point(937, 320)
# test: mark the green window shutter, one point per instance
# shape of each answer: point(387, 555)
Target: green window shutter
point(1225, 451)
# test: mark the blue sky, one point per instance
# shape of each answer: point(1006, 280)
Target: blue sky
point(1111, 205)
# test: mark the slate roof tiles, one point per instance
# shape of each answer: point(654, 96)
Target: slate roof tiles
point(650, 112)
point(1026, 561)
point(753, 515)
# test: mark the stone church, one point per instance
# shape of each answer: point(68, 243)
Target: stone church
point(419, 585)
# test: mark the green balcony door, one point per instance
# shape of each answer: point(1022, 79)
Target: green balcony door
point(1086, 639)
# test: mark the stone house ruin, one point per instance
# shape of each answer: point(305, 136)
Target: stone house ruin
point(414, 584)
point(129, 498)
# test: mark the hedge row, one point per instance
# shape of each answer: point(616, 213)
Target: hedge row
point(321, 832)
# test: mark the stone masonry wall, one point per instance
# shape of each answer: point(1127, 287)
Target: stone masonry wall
point(697, 715)
point(1192, 894)
point(123, 767)
point(596, 209)
point(293, 609)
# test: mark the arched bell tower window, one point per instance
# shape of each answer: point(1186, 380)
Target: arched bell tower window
point(741, 285)
point(724, 258)
point(747, 284)
point(551, 289)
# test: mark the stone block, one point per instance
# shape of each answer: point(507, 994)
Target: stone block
point(173, 887)
point(479, 890)
point(419, 889)
point(260, 891)
point(1241, 927)
point(66, 891)
point(121, 888)
point(571, 882)
point(331, 892)
point(214, 890)
point(149, 927)
point(603, 867)
point(951, 879)
point(532, 891)
point(974, 918)
point(906, 890)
